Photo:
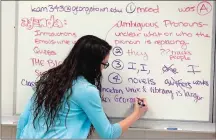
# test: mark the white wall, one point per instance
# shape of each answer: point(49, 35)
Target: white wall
point(8, 36)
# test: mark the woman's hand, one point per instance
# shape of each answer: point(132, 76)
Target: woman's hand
point(140, 106)
point(139, 110)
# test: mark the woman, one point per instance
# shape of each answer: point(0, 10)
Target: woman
point(67, 100)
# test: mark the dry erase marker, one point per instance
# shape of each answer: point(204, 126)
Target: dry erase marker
point(140, 102)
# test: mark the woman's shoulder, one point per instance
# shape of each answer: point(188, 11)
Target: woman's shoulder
point(84, 93)
point(81, 81)
point(82, 86)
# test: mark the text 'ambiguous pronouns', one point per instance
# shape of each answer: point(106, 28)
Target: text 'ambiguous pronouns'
point(157, 24)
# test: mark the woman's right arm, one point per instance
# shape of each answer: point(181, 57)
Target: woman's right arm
point(138, 111)
point(91, 103)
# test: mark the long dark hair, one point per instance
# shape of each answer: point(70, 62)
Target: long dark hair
point(83, 60)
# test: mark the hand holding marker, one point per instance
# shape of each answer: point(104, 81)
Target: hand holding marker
point(141, 102)
point(140, 106)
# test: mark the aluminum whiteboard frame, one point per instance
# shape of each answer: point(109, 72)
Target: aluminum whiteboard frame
point(15, 56)
point(214, 54)
point(212, 79)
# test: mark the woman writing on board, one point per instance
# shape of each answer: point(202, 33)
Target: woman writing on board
point(67, 102)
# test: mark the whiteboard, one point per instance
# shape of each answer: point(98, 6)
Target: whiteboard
point(162, 51)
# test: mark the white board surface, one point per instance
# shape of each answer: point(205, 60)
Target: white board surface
point(160, 52)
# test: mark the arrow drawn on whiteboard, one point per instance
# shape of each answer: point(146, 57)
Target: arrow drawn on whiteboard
point(110, 30)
